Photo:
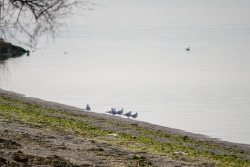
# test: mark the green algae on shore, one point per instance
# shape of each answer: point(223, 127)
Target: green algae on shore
point(130, 136)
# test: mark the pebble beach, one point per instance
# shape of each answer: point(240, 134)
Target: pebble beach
point(73, 147)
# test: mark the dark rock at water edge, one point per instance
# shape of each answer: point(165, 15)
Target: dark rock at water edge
point(7, 50)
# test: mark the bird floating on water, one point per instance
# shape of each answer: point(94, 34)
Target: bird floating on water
point(187, 49)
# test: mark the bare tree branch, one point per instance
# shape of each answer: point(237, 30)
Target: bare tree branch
point(34, 18)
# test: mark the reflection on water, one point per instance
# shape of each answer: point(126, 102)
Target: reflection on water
point(137, 60)
point(4, 73)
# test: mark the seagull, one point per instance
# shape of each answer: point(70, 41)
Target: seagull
point(110, 111)
point(187, 49)
point(128, 114)
point(134, 115)
point(113, 111)
point(87, 107)
point(120, 112)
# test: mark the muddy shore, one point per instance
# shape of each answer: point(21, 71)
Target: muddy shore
point(29, 143)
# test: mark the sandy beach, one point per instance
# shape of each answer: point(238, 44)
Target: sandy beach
point(31, 143)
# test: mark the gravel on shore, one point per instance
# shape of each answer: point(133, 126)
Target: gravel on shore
point(72, 109)
point(10, 130)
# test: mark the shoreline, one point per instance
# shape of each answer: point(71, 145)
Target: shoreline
point(72, 109)
point(41, 132)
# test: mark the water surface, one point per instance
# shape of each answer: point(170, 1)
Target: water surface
point(131, 54)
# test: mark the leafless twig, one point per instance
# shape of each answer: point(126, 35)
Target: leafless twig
point(31, 19)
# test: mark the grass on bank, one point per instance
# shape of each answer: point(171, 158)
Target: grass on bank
point(36, 115)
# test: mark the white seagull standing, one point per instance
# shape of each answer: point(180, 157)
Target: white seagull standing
point(120, 112)
point(113, 111)
point(128, 114)
point(110, 111)
point(134, 115)
point(87, 107)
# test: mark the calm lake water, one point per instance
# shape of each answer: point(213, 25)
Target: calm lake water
point(131, 54)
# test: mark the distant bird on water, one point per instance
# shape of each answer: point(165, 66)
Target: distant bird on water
point(134, 115)
point(87, 107)
point(187, 49)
